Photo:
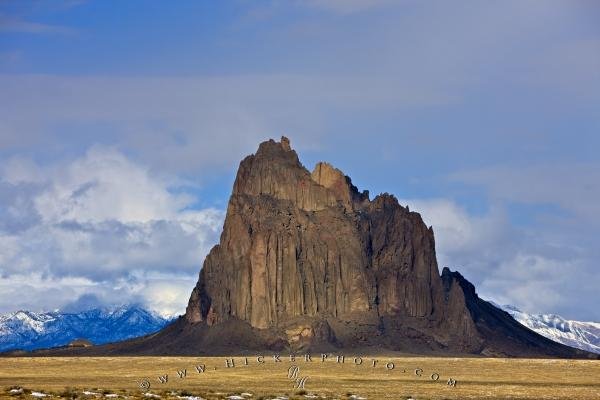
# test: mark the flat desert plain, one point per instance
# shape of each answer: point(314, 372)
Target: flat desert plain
point(265, 378)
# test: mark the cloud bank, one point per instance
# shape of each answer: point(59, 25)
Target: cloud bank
point(99, 224)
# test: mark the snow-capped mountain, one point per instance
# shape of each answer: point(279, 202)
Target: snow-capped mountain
point(582, 335)
point(28, 330)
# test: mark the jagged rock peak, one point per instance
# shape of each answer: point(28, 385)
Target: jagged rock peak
point(275, 170)
point(327, 175)
point(285, 143)
point(341, 185)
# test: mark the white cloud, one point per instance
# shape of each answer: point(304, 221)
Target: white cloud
point(35, 291)
point(168, 295)
point(463, 239)
point(18, 170)
point(105, 221)
point(105, 185)
point(532, 281)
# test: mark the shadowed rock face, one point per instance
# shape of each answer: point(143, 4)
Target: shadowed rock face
point(310, 259)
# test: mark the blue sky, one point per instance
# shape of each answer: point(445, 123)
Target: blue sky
point(122, 125)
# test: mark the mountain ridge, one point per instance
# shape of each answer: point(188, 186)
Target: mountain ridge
point(584, 335)
point(28, 330)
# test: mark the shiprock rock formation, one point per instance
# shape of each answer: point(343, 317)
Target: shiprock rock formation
point(306, 262)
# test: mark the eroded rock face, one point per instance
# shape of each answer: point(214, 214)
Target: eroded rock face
point(301, 244)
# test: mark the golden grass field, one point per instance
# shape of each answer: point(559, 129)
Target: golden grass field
point(476, 378)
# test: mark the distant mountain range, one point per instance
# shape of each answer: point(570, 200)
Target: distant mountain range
point(582, 335)
point(28, 330)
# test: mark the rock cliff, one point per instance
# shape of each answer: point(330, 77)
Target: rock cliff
point(310, 260)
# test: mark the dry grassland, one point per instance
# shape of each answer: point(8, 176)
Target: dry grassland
point(411, 377)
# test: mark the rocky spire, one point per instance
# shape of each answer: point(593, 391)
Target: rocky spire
point(305, 259)
point(299, 244)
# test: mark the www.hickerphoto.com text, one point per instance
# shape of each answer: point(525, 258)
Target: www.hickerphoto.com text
point(333, 360)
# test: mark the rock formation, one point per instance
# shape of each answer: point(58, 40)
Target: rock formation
point(313, 261)
point(307, 262)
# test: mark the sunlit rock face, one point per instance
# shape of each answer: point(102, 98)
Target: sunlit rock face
point(297, 244)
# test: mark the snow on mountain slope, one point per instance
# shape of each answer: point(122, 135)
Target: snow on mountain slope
point(582, 335)
point(28, 330)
